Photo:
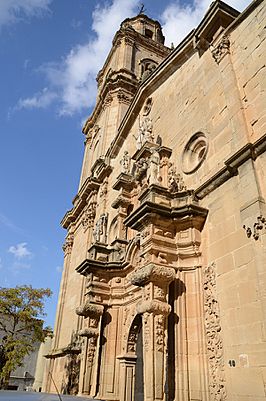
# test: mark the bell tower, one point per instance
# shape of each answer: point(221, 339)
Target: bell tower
point(137, 49)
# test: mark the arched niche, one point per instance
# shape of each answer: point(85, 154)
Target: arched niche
point(113, 230)
point(132, 251)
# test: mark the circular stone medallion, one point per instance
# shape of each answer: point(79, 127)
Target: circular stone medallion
point(194, 153)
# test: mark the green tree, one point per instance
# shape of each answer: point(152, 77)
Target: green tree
point(21, 326)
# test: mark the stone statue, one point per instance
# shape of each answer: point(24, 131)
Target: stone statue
point(148, 71)
point(145, 132)
point(99, 232)
point(125, 163)
point(154, 168)
point(141, 167)
point(175, 181)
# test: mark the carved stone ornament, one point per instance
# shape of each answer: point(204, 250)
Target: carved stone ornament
point(67, 247)
point(145, 132)
point(213, 336)
point(154, 306)
point(146, 330)
point(125, 163)
point(132, 338)
point(89, 309)
point(104, 188)
point(221, 49)
point(175, 180)
point(159, 321)
point(92, 343)
point(108, 100)
point(147, 106)
point(99, 232)
point(152, 273)
point(123, 98)
point(89, 213)
point(141, 167)
point(88, 332)
point(259, 226)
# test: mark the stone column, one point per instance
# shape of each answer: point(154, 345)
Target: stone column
point(155, 280)
point(88, 380)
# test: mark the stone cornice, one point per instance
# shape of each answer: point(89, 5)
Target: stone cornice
point(80, 201)
point(248, 151)
point(218, 14)
point(147, 43)
point(254, 4)
point(122, 79)
point(89, 265)
point(182, 215)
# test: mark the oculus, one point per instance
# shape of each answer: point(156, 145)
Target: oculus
point(194, 153)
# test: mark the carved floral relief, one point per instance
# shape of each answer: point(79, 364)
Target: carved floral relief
point(213, 335)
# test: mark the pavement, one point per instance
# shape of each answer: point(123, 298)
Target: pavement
point(33, 396)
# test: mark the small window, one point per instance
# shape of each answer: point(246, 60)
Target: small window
point(148, 33)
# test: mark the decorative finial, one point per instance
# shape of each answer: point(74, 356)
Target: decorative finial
point(141, 9)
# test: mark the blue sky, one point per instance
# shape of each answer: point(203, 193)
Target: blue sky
point(50, 53)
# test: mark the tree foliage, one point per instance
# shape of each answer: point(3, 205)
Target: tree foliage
point(21, 326)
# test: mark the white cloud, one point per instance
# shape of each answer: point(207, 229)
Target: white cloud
point(178, 19)
point(12, 11)
point(40, 100)
point(72, 81)
point(20, 251)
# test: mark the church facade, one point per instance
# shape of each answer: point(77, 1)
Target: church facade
point(163, 293)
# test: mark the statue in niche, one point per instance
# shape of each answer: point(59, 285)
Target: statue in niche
point(149, 70)
point(145, 132)
point(175, 181)
point(99, 232)
point(153, 173)
point(125, 163)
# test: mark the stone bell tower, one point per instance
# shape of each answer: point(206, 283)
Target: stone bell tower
point(137, 49)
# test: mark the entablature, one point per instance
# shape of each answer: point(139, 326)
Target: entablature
point(91, 184)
